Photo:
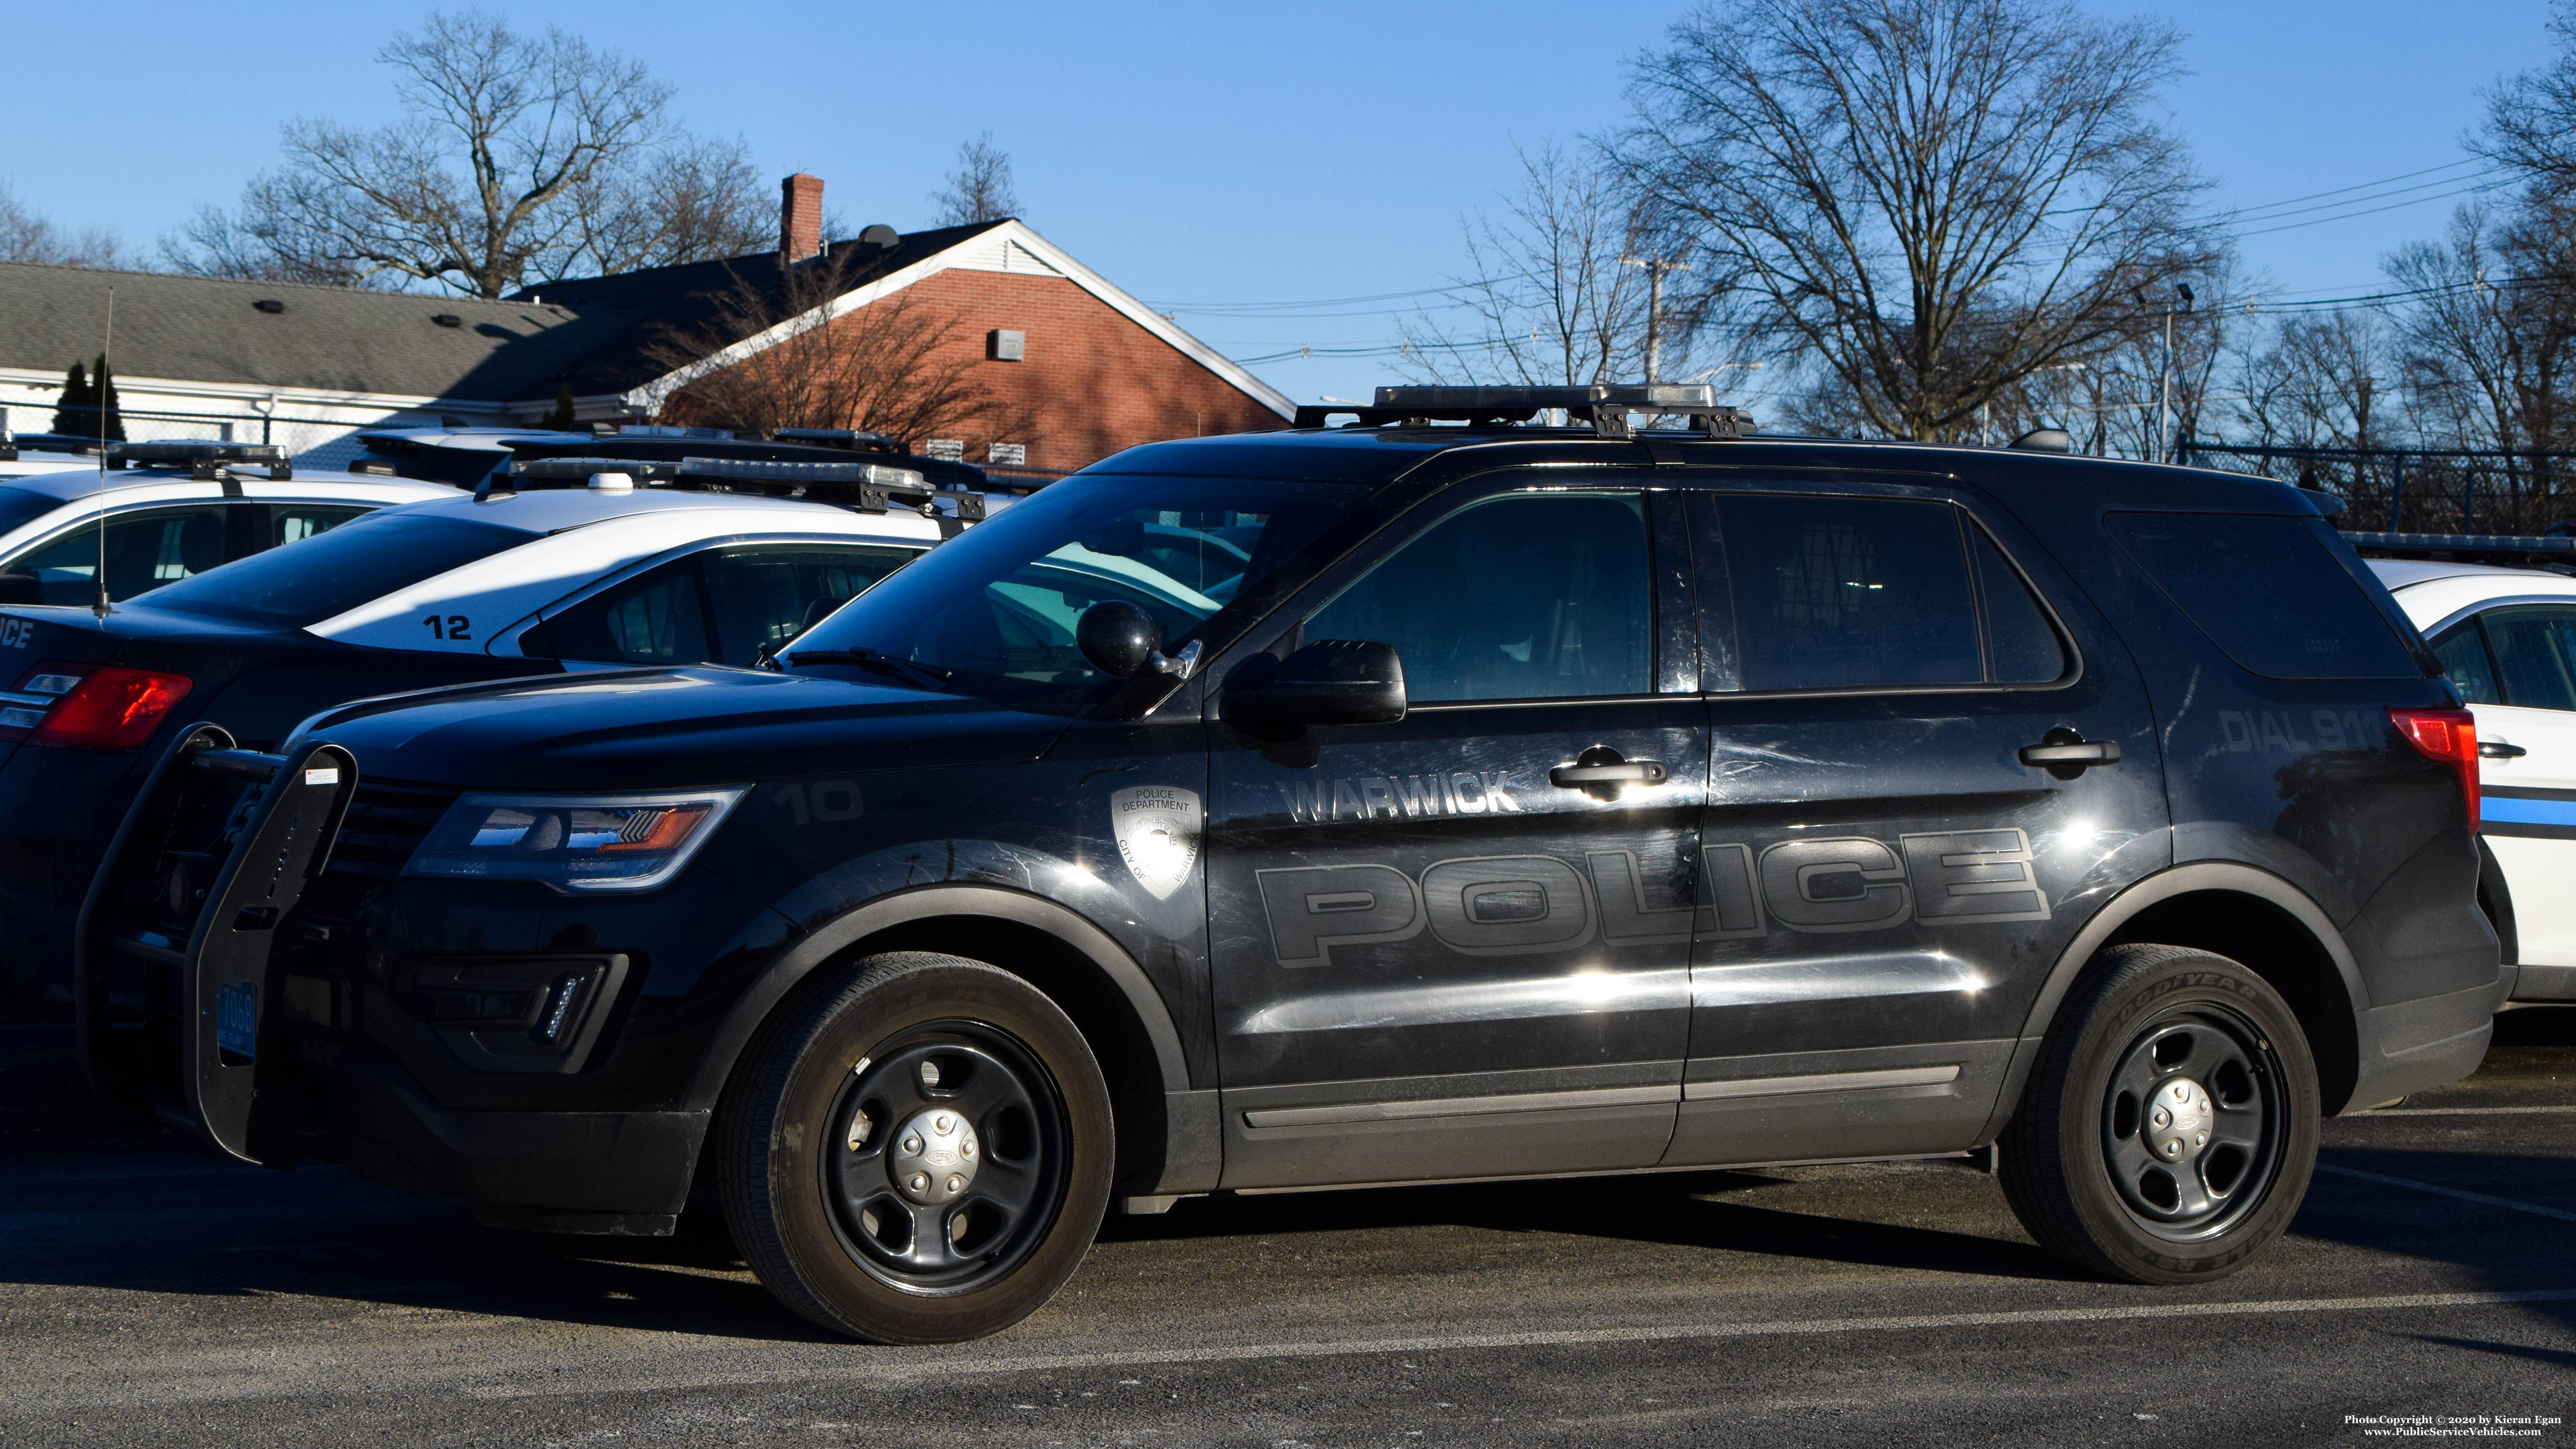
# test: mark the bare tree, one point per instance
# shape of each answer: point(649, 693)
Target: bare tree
point(1927, 200)
point(980, 189)
point(1546, 299)
point(2531, 118)
point(28, 237)
point(519, 158)
point(795, 354)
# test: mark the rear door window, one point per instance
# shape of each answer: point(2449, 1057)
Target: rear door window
point(1855, 593)
point(2535, 656)
point(2464, 657)
point(722, 606)
point(295, 522)
point(657, 617)
point(2268, 591)
point(764, 596)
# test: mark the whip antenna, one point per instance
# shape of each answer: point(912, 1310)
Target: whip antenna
point(98, 598)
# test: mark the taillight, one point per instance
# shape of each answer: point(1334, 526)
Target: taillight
point(2447, 735)
point(111, 709)
point(37, 692)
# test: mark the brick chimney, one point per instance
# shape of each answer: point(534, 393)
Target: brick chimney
point(800, 217)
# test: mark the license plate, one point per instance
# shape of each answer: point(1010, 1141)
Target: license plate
point(237, 1020)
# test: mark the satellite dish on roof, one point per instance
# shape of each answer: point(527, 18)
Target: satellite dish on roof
point(881, 237)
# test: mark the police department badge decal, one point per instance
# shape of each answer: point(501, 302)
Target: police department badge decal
point(1158, 835)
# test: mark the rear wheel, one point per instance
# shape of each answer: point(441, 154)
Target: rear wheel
point(917, 1151)
point(2170, 1126)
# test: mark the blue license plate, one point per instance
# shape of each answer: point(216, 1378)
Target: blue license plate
point(237, 1020)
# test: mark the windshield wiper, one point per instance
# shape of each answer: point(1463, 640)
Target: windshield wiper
point(930, 676)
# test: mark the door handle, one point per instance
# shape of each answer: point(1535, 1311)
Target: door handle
point(2064, 753)
point(2499, 750)
point(1632, 772)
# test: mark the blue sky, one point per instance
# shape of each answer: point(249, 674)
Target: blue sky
point(1209, 156)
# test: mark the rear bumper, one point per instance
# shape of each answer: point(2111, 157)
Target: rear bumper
point(600, 1172)
point(2429, 1042)
point(57, 810)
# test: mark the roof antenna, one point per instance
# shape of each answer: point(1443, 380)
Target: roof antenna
point(98, 600)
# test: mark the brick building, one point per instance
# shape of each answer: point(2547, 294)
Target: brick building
point(1090, 369)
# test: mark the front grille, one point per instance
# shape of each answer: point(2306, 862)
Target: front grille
point(387, 820)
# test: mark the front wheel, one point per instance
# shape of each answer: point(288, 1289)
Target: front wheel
point(2170, 1126)
point(916, 1151)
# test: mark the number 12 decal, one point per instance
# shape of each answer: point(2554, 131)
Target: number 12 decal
point(455, 627)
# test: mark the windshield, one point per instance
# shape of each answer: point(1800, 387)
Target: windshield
point(996, 607)
point(19, 507)
point(312, 579)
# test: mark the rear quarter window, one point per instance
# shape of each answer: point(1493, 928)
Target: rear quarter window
point(2269, 592)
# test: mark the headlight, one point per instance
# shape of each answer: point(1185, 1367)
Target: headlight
point(574, 843)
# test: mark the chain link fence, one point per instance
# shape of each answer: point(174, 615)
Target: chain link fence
point(2417, 490)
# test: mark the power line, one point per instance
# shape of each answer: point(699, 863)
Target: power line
point(2365, 185)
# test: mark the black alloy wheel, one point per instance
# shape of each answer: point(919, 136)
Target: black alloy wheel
point(2169, 1128)
point(954, 1157)
point(916, 1148)
point(2193, 1127)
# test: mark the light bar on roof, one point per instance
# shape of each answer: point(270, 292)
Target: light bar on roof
point(798, 474)
point(1606, 406)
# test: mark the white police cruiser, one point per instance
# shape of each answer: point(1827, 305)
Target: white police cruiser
point(173, 510)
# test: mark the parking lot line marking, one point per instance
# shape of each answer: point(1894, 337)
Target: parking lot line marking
point(927, 1363)
point(2454, 1112)
point(2478, 1197)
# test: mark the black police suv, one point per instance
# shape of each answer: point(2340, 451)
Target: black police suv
point(1434, 797)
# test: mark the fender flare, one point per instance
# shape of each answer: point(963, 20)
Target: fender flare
point(901, 908)
point(2195, 876)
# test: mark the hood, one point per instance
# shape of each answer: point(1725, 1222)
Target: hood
point(644, 729)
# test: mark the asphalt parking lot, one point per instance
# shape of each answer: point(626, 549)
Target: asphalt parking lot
point(151, 1293)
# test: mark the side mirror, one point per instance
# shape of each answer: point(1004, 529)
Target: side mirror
point(1331, 681)
point(1117, 637)
point(1123, 641)
point(21, 586)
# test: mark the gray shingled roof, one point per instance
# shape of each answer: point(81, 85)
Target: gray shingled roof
point(204, 330)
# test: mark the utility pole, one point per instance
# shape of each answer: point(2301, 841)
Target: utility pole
point(1655, 269)
point(2164, 385)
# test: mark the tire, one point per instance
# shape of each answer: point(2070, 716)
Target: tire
point(916, 1149)
point(2100, 1162)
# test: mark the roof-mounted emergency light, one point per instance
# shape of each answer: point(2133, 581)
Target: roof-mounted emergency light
point(1607, 407)
point(866, 487)
point(204, 460)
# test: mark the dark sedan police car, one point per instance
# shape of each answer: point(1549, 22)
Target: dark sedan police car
point(1436, 796)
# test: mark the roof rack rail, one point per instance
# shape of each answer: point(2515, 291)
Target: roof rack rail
point(1606, 406)
point(865, 487)
point(2511, 548)
point(204, 460)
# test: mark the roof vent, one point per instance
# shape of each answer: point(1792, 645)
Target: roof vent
point(2045, 440)
point(446, 319)
point(269, 305)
